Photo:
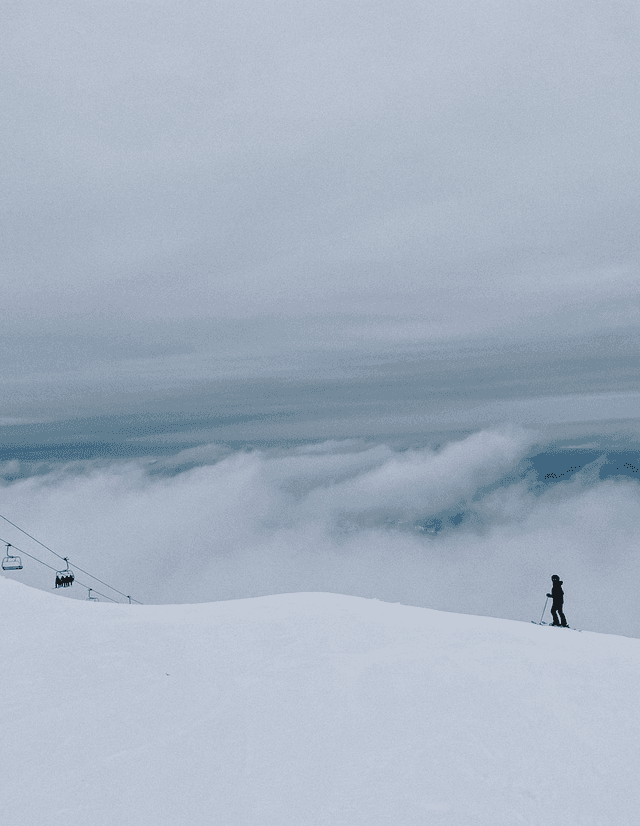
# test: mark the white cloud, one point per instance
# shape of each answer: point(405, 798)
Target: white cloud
point(344, 517)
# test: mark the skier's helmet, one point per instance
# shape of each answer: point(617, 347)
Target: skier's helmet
point(555, 577)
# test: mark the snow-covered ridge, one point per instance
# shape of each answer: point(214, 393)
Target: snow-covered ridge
point(310, 709)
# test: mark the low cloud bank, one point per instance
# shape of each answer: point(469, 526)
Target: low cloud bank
point(351, 517)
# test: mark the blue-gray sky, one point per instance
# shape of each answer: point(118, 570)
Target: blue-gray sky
point(376, 227)
point(459, 166)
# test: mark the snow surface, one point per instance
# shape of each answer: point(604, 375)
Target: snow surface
point(310, 709)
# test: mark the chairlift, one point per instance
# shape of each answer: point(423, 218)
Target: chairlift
point(90, 598)
point(66, 577)
point(10, 562)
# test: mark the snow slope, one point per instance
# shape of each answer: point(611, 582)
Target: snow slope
point(310, 709)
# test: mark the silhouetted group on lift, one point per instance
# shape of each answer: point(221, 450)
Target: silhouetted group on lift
point(65, 578)
point(557, 595)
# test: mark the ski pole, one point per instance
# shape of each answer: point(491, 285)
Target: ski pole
point(544, 609)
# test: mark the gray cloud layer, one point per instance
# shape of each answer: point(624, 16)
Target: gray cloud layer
point(471, 163)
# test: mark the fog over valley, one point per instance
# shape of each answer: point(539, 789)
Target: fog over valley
point(473, 525)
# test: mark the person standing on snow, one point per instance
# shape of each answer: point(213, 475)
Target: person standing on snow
point(557, 595)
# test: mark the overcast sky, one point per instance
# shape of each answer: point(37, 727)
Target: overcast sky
point(467, 165)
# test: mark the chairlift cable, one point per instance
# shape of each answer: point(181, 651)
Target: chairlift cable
point(25, 553)
point(51, 568)
point(126, 596)
point(65, 559)
point(32, 537)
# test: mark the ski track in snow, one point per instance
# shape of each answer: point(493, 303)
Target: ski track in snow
point(310, 709)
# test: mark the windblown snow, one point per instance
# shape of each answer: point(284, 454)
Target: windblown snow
point(310, 708)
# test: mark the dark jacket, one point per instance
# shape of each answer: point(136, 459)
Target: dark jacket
point(557, 594)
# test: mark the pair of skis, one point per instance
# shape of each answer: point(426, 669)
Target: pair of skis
point(551, 625)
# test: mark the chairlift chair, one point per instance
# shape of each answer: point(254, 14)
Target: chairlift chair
point(66, 577)
point(90, 598)
point(10, 562)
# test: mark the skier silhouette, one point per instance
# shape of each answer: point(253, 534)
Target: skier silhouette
point(557, 595)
